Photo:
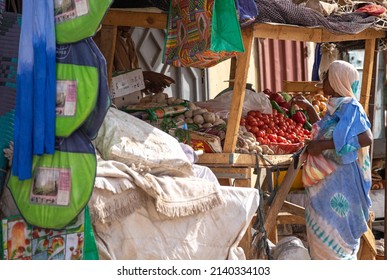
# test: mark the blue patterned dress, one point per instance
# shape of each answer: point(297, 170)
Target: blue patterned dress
point(337, 208)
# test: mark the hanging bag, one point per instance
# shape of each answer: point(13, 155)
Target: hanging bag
point(61, 184)
point(76, 20)
point(202, 33)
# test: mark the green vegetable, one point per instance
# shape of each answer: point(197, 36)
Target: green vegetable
point(286, 96)
point(308, 125)
point(277, 107)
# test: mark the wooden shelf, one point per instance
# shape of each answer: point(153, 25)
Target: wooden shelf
point(247, 160)
point(309, 34)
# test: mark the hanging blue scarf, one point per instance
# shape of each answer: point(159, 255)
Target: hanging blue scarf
point(34, 130)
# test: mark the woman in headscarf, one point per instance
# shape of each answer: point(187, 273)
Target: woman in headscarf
point(337, 174)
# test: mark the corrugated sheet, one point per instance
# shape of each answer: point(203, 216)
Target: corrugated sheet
point(281, 61)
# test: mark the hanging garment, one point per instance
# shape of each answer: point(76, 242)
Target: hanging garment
point(34, 126)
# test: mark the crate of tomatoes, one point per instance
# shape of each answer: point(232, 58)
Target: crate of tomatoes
point(284, 135)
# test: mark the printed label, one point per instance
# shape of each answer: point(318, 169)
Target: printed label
point(51, 186)
point(66, 98)
point(70, 9)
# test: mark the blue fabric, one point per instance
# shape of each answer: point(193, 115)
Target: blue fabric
point(337, 207)
point(352, 121)
point(36, 87)
point(247, 10)
point(22, 157)
point(94, 121)
point(316, 64)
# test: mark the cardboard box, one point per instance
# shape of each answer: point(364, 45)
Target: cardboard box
point(126, 87)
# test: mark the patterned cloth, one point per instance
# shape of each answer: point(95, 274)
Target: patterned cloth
point(286, 12)
point(201, 34)
point(337, 206)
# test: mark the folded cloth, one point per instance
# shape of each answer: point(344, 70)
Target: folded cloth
point(174, 196)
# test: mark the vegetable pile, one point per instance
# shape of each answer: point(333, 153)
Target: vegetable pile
point(274, 128)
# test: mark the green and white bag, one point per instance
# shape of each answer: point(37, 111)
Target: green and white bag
point(61, 184)
point(76, 20)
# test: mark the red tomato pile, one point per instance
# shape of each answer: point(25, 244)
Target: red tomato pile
point(274, 128)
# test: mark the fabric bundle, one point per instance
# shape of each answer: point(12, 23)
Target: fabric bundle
point(9, 32)
point(286, 12)
point(34, 129)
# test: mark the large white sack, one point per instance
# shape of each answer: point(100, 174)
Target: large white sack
point(129, 140)
point(145, 234)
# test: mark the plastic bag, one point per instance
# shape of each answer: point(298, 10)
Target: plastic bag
point(220, 105)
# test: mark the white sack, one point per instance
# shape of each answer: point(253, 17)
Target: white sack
point(129, 140)
point(213, 235)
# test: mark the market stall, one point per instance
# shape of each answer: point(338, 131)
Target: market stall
point(227, 164)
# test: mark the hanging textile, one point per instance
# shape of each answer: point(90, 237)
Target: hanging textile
point(202, 33)
point(9, 32)
point(34, 128)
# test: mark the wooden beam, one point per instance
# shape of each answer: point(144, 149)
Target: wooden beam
point(234, 159)
point(238, 92)
point(296, 86)
point(122, 17)
point(310, 34)
point(369, 55)
point(108, 46)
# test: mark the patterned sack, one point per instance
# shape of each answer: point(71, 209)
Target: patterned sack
point(202, 33)
point(21, 241)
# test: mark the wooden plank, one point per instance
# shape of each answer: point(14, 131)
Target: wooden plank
point(231, 172)
point(238, 93)
point(234, 159)
point(295, 86)
point(369, 54)
point(121, 17)
point(285, 218)
point(309, 34)
point(293, 209)
point(107, 47)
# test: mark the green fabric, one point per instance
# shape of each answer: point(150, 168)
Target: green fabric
point(82, 168)
point(86, 78)
point(81, 27)
point(90, 250)
point(226, 32)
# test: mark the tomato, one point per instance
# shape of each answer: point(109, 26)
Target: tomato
point(248, 127)
point(251, 113)
point(260, 133)
point(254, 129)
point(250, 118)
point(258, 114)
point(259, 139)
point(272, 137)
point(252, 123)
point(281, 139)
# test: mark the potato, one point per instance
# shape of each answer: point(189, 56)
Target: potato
point(188, 114)
point(209, 117)
point(198, 119)
point(192, 106)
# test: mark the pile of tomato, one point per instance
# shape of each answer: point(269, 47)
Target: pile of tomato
point(274, 128)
